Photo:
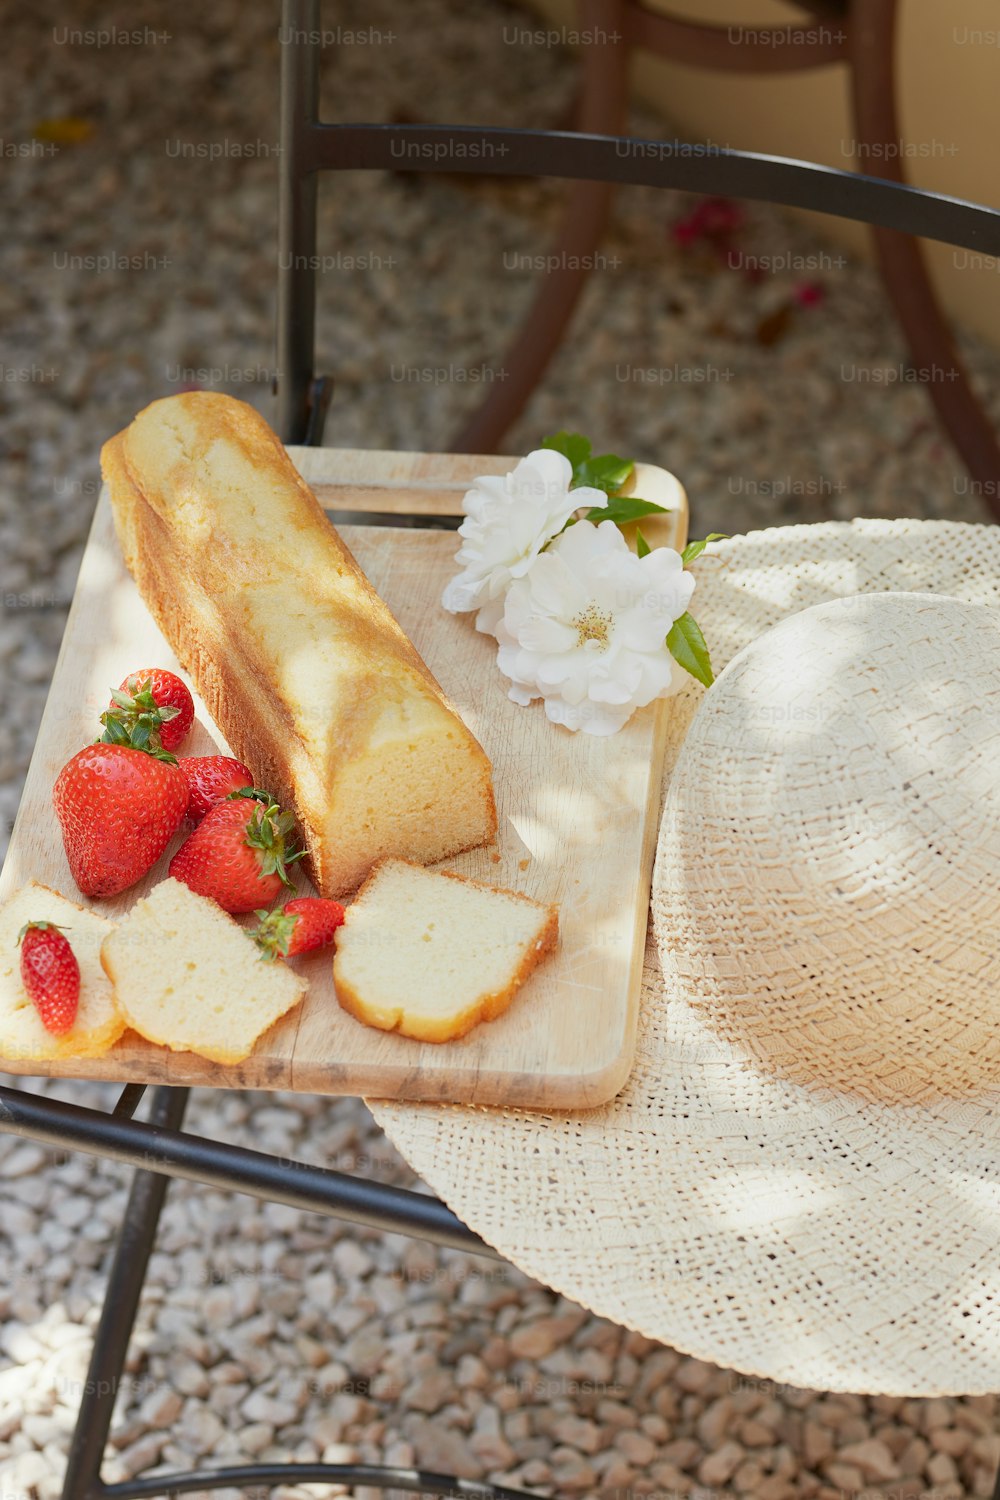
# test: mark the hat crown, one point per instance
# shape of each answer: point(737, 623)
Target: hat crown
point(830, 850)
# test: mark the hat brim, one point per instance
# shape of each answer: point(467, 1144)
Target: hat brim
point(791, 1233)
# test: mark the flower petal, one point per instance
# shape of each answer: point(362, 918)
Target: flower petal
point(545, 634)
point(542, 475)
point(488, 489)
point(590, 718)
point(585, 544)
point(490, 616)
point(588, 498)
point(555, 588)
point(461, 594)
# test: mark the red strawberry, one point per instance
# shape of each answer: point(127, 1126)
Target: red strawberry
point(152, 708)
point(302, 924)
point(238, 853)
point(50, 975)
point(210, 779)
point(117, 808)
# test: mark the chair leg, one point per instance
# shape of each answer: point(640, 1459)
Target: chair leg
point(121, 1302)
point(603, 104)
point(320, 396)
point(752, 50)
point(901, 259)
point(297, 197)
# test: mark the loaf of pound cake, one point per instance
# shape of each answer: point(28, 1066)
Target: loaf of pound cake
point(304, 669)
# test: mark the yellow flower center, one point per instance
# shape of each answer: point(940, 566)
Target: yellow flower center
point(593, 625)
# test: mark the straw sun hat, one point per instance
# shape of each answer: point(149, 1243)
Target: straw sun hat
point(801, 1178)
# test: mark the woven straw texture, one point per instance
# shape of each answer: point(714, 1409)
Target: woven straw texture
point(829, 853)
point(808, 1236)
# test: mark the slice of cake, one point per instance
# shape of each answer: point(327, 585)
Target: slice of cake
point(98, 1024)
point(187, 976)
point(430, 954)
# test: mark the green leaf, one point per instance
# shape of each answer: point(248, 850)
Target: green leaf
point(695, 549)
point(572, 445)
point(38, 926)
point(115, 732)
point(266, 833)
point(606, 472)
point(603, 471)
point(686, 645)
point(274, 933)
point(642, 547)
point(624, 508)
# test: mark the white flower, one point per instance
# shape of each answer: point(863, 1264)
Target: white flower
point(509, 519)
point(585, 628)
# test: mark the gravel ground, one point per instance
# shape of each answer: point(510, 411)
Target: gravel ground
point(265, 1333)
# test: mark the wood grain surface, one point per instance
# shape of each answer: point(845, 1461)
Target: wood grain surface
point(577, 821)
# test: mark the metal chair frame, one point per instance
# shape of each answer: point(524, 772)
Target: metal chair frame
point(160, 1149)
point(595, 157)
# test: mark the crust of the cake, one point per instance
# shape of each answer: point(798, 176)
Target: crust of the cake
point(258, 729)
point(484, 1008)
point(240, 693)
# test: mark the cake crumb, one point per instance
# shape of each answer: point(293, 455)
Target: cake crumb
point(523, 864)
point(495, 858)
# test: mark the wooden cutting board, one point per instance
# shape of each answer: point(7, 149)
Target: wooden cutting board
point(577, 822)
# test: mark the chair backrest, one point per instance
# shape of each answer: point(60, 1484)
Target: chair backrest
point(310, 146)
